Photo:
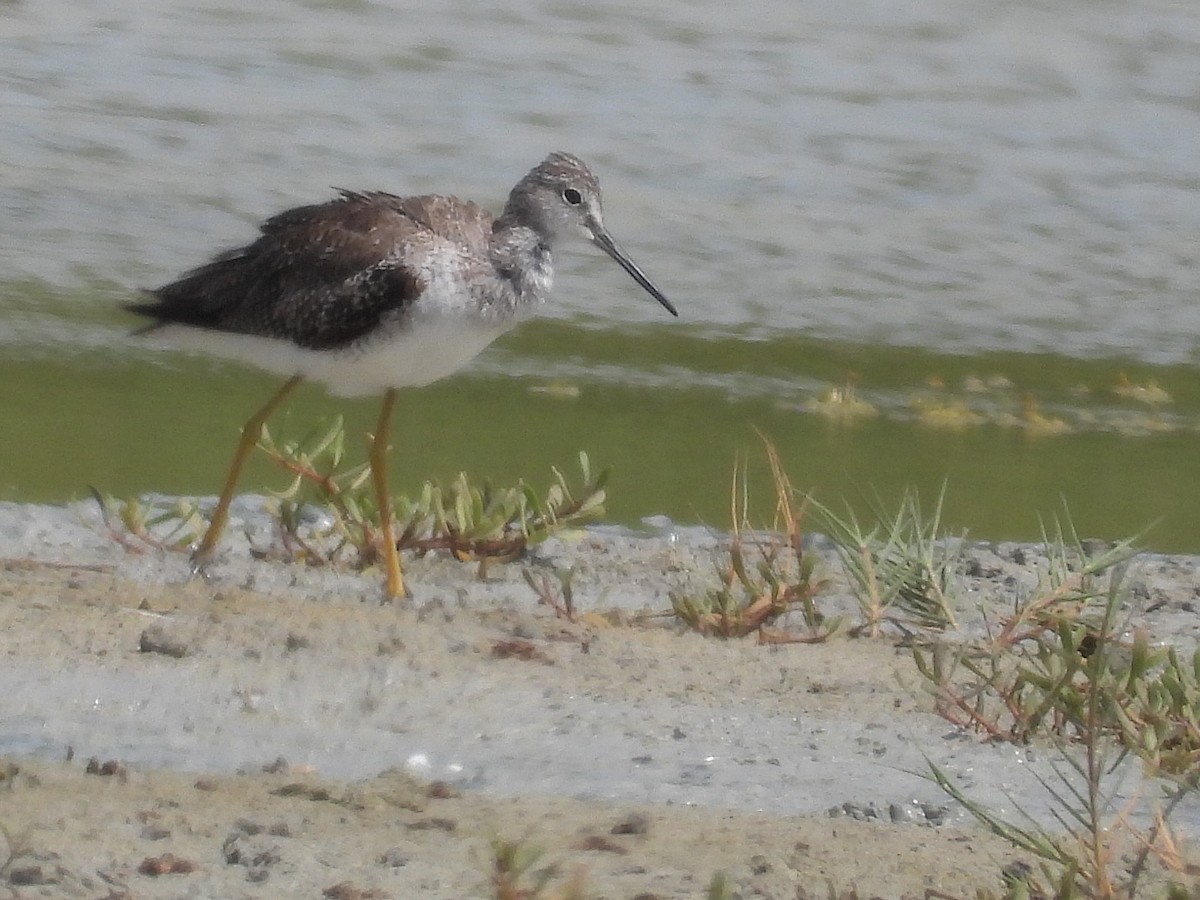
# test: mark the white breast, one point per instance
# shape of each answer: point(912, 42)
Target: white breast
point(403, 357)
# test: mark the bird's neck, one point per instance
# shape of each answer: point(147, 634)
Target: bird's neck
point(522, 260)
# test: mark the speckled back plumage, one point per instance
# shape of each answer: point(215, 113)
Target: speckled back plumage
point(323, 276)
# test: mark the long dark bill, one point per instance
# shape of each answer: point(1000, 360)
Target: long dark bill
point(605, 242)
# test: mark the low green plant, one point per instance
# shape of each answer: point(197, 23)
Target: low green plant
point(175, 524)
point(559, 596)
point(1074, 577)
point(720, 888)
point(1056, 669)
point(1090, 858)
point(766, 575)
point(515, 872)
point(1035, 673)
point(515, 875)
point(899, 566)
point(471, 521)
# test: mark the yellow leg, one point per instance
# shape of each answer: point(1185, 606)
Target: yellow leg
point(251, 432)
point(379, 463)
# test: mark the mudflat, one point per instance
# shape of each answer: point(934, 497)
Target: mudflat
point(276, 731)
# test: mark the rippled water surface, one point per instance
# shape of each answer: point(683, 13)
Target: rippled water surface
point(979, 219)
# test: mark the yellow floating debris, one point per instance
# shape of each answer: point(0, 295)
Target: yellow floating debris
point(559, 390)
point(973, 384)
point(1149, 393)
point(1139, 424)
point(1037, 424)
point(842, 404)
point(953, 414)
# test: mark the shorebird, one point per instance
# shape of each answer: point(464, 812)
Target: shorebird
point(371, 292)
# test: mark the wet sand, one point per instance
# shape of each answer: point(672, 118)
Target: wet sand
point(275, 731)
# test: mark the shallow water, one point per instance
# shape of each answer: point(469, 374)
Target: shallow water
point(982, 219)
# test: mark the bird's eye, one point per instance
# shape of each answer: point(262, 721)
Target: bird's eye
point(572, 196)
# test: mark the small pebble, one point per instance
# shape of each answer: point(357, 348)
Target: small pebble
point(634, 823)
point(27, 875)
point(156, 639)
point(394, 858)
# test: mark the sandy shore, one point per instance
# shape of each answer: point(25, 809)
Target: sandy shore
point(276, 732)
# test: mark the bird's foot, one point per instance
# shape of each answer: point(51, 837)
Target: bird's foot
point(396, 590)
point(198, 565)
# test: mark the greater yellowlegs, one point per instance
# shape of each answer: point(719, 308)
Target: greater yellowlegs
point(371, 292)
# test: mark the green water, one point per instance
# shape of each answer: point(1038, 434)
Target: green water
point(669, 409)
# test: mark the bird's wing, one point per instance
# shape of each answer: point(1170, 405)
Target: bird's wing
point(324, 275)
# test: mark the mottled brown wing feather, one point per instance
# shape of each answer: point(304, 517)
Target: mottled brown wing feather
point(325, 275)
point(460, 221)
